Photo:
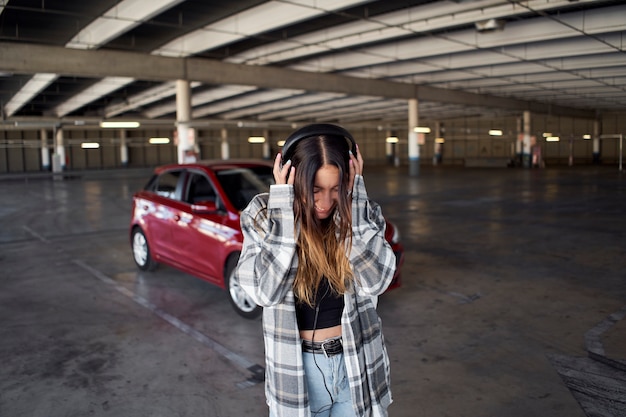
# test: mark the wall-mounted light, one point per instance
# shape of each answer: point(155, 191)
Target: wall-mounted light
point(547, 134)
point(421, 129)
point(119, 125)
point(281, 143)
point(552, 139)
point(495, 132)
point(90, 145)
point(392, 139)
point(440, 140)
point(159, 141)
point(586, 137)
point(256, 139)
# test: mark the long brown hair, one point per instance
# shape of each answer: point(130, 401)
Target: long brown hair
point(322, 245)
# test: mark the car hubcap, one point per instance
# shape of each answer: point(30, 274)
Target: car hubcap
point(239, 296)
point(140, 249)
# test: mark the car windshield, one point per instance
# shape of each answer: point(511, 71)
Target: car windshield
point(241, 185)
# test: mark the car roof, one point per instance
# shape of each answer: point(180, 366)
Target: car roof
point(219, 164)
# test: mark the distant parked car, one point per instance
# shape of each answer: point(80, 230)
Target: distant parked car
point(187, 216)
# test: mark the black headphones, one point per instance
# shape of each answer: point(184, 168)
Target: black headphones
point(316, 129)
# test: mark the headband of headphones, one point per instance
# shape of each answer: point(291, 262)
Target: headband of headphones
point(317, 129)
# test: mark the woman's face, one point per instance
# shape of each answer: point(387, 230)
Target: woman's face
point(326, 190)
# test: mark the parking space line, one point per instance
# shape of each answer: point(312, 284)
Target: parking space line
point(258, 372)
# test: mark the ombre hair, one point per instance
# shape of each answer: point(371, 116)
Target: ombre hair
point(323, 244)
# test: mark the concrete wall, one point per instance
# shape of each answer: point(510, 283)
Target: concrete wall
point(466, 140)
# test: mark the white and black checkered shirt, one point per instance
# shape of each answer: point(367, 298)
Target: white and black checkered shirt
point(266, 271)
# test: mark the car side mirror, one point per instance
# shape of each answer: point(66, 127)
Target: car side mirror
point(205, 207)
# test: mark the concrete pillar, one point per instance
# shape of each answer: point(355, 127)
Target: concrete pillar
point(183, 117)
point(123, 148)
point(519, 140)
point(596, 142)
point(389, 147)
point(526, 152)
point(225, 147)
point(267, 150)
point(414, 150)
point(45, 151)
point(59, 149)
point(438, 147)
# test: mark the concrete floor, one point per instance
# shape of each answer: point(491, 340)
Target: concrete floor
point(512, 302)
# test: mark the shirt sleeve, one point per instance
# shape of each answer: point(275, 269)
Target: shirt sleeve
point(265, 265)
point(372, 259)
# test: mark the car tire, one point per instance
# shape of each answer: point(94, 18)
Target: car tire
point(141, 251)
point(241, 302)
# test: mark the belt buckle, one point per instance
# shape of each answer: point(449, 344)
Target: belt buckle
point(323, 345)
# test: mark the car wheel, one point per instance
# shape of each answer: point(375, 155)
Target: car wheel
point(141, 251)
point(243, 304)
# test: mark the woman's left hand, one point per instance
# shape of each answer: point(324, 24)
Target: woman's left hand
point(283, 174)
point(356, 167)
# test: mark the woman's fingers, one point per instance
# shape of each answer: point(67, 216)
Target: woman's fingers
point(283, 174)
point(359, 161)
point(292, 173)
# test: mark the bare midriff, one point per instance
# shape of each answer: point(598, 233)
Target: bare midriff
point(321, 334)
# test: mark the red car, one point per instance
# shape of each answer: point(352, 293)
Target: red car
point(187, 216)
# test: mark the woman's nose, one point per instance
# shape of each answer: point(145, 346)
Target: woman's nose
point(325, 200)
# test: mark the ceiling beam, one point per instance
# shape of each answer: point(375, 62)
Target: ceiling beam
point(31, 59)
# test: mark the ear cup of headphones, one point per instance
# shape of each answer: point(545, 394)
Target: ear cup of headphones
point(316, 129)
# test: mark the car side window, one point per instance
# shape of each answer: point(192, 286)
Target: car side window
point(166, 183)
point(200, 189)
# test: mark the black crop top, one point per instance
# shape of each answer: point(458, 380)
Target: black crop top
point(330, 307)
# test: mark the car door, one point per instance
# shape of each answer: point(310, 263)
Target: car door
point(198, 237)
point(160, 216)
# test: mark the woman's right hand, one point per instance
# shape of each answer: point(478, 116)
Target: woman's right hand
point(283, 174)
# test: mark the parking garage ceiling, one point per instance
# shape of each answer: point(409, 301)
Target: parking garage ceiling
point(296, 61)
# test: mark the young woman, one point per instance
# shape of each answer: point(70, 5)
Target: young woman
point(315, 257)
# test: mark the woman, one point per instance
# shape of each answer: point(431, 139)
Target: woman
point(315, 257)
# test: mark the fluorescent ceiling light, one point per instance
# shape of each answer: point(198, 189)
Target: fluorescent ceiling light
point(281, 143)
point(586, 137)
point(90, 145)
point(119, 125)
point(392, 139)
point(421, 129)
point(552, 139)
point(495, 132)
point(440, 140)
point(547, 134)
point(256, 139)
point(159, 141)
point(35, 85)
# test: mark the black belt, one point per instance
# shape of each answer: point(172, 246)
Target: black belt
point(328, 347)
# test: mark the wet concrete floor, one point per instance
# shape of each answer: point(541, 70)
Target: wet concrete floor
point(512, 304)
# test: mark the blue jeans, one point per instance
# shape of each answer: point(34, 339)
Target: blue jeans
point(327, 382)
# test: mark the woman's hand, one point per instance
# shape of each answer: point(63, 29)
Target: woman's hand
point(356, 167)
point(283, 174)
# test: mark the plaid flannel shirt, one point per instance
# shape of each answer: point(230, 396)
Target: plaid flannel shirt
point(266, 270)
